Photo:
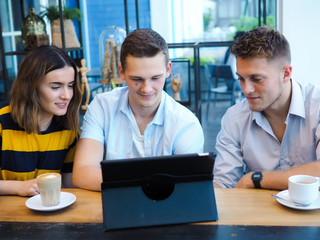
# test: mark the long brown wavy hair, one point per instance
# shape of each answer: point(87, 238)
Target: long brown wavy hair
point(24, 100)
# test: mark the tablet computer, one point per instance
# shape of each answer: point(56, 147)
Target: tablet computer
point(158, 190)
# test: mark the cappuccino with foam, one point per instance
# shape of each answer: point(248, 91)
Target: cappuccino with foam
point(50, 188)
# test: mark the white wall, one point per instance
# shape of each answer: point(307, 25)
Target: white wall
point(177, 20)
point(161, 18)
point(300, 23)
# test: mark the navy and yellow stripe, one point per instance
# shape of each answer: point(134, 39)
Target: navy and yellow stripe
point(25, 156)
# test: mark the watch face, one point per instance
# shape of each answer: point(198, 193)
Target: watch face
point(256, 178)
point(257, 175)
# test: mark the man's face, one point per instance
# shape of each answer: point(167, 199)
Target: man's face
point(145, 78)
point(262, 82)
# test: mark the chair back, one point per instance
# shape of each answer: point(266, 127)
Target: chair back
point(222, 82)
point(224, 71)
point(221, 73)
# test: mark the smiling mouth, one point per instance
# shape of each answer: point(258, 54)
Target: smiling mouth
point(61, 104)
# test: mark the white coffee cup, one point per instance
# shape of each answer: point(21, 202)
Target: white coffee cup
point(303, 189)
point(50, 188)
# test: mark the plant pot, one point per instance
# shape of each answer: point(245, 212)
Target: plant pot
point(70, 35)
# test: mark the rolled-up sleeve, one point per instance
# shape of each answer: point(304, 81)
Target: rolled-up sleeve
point(228, 167)
point(94, 121)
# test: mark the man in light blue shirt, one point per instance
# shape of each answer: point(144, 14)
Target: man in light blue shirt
point(139, 120)
point(274, 132)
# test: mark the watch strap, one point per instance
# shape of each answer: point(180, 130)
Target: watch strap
point(256, 179)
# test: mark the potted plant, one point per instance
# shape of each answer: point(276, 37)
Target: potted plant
point(247, 23)
point(68, 14)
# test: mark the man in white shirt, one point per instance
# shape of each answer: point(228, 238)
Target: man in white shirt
point(139, 120)
point(274, 132)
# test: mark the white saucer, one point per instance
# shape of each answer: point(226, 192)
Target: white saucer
point(289, 203)
point(35, 203)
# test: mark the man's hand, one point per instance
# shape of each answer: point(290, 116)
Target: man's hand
point(245, 181)
point(278, 180)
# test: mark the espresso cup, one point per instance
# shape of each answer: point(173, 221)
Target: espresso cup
point(50, 188)
point(303, 189)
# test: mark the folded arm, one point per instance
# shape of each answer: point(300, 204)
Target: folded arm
point(86, 167)
point(279, 179)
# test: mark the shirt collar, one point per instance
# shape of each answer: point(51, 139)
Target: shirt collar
point(124, 104)
point(296, 104)
point(159, 117)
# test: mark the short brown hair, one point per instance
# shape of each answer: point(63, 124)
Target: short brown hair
point(143, 43)
point(24, 100)
point(262, 42)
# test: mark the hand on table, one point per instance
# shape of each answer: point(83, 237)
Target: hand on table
point(27, 188)
point(245, 181)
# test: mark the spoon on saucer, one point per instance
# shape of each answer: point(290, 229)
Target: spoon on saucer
point(286, 200)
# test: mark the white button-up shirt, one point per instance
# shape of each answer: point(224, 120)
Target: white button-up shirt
point(246, 141)
point(109, 119)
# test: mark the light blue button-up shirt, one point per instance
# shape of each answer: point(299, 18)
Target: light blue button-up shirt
point(109, 119)
point(246, 140)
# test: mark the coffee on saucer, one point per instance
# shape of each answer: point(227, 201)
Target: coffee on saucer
point(50, 188)
point(303, 189)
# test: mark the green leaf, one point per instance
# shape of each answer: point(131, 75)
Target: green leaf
point(52, 13)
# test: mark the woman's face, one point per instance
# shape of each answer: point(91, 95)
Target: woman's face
point(55, 92)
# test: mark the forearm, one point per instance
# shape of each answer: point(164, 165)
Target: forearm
point(21, 188)
point(88, 177)
point(279, 179)
point(8, 187)
point(86, 167)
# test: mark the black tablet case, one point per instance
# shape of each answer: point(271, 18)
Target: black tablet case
point(162, 190)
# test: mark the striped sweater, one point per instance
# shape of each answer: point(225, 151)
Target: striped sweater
point(25, 156)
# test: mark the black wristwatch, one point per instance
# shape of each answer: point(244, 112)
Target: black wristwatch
point(256, 179)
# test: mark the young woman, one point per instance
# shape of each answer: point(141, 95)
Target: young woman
point(39, 128)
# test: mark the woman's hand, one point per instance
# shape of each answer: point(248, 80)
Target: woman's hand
point(27, 188)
